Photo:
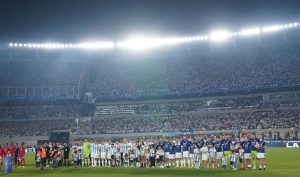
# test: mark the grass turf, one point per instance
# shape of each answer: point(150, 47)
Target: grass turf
point(281, 162)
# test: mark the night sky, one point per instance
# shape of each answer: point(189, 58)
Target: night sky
point(77, 20)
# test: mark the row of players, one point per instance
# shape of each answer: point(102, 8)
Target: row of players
point(196, 152)
point(15, 151)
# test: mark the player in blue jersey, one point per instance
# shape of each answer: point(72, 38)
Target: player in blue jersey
point(253, 141)
point(172, 153)
point(226, 143)
point(185, 144)
point(167, 152)
point(178, 153)
point(236, 149)
point(219, 151)
point(247, 152)
point(261, 150)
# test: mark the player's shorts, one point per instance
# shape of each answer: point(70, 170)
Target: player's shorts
point(103, 155)
point(205, 157)
point(192, 156)
point(171, 156)
point(167, 155)
point(219, 155)
point(21, 157)
point(108, 156)
point(247, 156)
point(254, 154)
point(212, 157)
point(178, 155)
point(227, 153)
point(97, 156)
point(147, 155)
point(185, 154)
point(261, 155)
point(86, 155)
point(237, 154)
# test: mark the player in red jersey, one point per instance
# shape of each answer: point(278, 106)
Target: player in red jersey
point(5, 151)
point(21, 157)
point(1, 156)
point(12, 149)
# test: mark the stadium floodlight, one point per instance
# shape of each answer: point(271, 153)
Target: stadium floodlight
point(273, 28)
point(250, 31)
point(171, 41)
point(220, 35)
point(95, 45)
point(140, 43)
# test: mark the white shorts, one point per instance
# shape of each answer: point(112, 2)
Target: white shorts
point(103, 156)
point(171, 156)
point(205, 157)
point(108, 156)
point(185, 154)
point(97, 156)
point(212, 157)
point(261, 155)
point(219, 155)
point(247, 156)
point(237, 154)
point(178, 155)
point(92, 155)
point(167, 155)
point(192, 155)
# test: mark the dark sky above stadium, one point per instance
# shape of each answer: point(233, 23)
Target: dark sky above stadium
point(75, 20)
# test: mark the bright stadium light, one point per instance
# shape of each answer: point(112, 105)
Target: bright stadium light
point(220, 35)
point(272, 28)
point(250, 31)
point(95, 45)
point(140, 43)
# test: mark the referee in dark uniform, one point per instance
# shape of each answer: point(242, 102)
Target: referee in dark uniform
point(66, 150)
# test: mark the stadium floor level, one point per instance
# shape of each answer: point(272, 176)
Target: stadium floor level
point(281, 162)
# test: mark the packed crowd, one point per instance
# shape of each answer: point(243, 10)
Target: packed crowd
point(241, 68)
point(39, 72)
point(229, 121)
point(33, 127)
point(40, 111)
point(238, 68)
point(244, 152)
point(182, 106)
point(182, 123)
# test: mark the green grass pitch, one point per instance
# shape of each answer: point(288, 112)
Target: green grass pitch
point(281, 162)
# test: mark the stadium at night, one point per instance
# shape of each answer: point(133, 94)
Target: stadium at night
point(154, 88)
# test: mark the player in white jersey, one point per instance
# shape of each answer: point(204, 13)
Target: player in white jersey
point(196, 157)
point(212, 156)
point(97, 154)
point(92, 149)
point(205, 153)
point(109, 153)
point(143, 154)
point(103, 154)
